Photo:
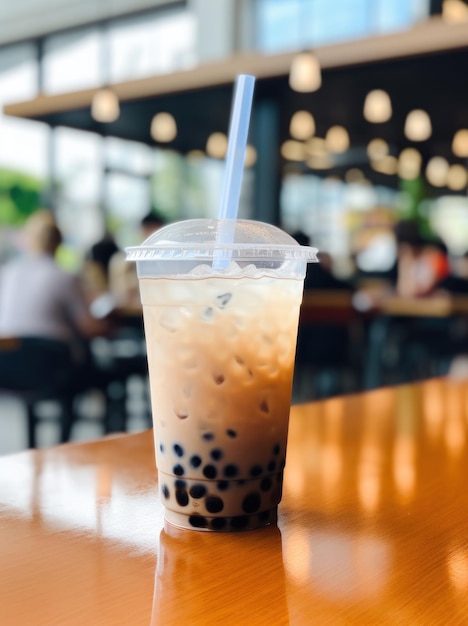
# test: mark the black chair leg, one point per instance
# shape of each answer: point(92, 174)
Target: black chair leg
point(67, 419)
point(32, 423)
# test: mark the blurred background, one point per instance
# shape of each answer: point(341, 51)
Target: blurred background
point(358, 144)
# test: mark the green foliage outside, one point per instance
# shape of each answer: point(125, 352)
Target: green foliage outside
point(20, 195)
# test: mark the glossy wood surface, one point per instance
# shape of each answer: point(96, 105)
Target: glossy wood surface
point(372, 527)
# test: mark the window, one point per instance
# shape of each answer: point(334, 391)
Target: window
point(155, 44)
point(72, 61)
point(23, 143)
point(294, 24)
point(78, 158)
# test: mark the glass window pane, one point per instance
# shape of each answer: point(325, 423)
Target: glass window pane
point(292, 24)
point(78, 158)
point(327, 22)
point(130, 156)
point(78, 164)
point(127, 200)
point(72, 61)
point(23, 143)
point(155, 44)
point(18, 73)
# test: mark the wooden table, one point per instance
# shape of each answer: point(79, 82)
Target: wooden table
point(372, 528)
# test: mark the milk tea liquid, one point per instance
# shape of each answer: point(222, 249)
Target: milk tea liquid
point(221, 355)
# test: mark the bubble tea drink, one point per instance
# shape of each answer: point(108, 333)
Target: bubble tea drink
point(221, 326)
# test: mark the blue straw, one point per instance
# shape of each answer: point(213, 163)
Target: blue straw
point(237, 142)
point(235, 157)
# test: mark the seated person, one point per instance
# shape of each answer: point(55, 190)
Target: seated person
point(40, 300)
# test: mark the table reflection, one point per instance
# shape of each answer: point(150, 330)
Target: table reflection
point(195, 561)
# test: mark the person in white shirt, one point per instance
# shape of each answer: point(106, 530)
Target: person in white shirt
point(37, 297)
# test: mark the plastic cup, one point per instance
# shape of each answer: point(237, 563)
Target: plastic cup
point(221, 340)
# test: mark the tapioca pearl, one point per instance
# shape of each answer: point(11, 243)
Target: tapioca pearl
point(265, 483)
point(208, 436)
point(256, 470)
point(267, 338)
point(276, 449)
point(231, 470)
point(223, 300)
point(219, 379)
point(208, 314)
point(264, 516)
point(198, 491)
point(182, 414)
point(180, 484)
point(210, 471)
point(165, 491)
point(198, 521)
point(251, 502)
point(216, 454)
point(182, 497)
point(271, 466)
point(178, 470)
point(214, 504)
point(178, 450)
point(195, 461)
point(241, 482)
point(264, 407)
point(239, 522)
point(223, 485)
point(218, 523)
point(231, 433)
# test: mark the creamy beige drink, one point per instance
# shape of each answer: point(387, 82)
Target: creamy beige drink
point(221, 302)
point(221, 355)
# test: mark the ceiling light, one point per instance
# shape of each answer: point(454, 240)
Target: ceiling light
point(418, 125)
point(457, 177)
point(377, 106)
point(195, 154)
point(320, 162)
point(105, 106)
point(409, 164)
point(302, 125)
point(377, 149)
point(454, 11)
point(250, 156)
point(437, 171)
point(337, 139)
point(292, 150)
point(163, 128)
point(305, 74)
point(216, 145)
point(460, 143)
point(354, 175)
point(316, 146)
point(386, 165)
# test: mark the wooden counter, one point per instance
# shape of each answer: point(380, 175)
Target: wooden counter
point(372, 527)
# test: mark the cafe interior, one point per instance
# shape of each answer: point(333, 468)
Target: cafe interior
point(358, 145)
point(347, 505)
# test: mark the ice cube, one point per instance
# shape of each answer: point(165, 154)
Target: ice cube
point(202, 270)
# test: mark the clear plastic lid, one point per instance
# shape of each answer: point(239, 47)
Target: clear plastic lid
point(203, 240)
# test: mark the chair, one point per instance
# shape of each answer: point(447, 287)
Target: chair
point(35, 370)
point(324, 356)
